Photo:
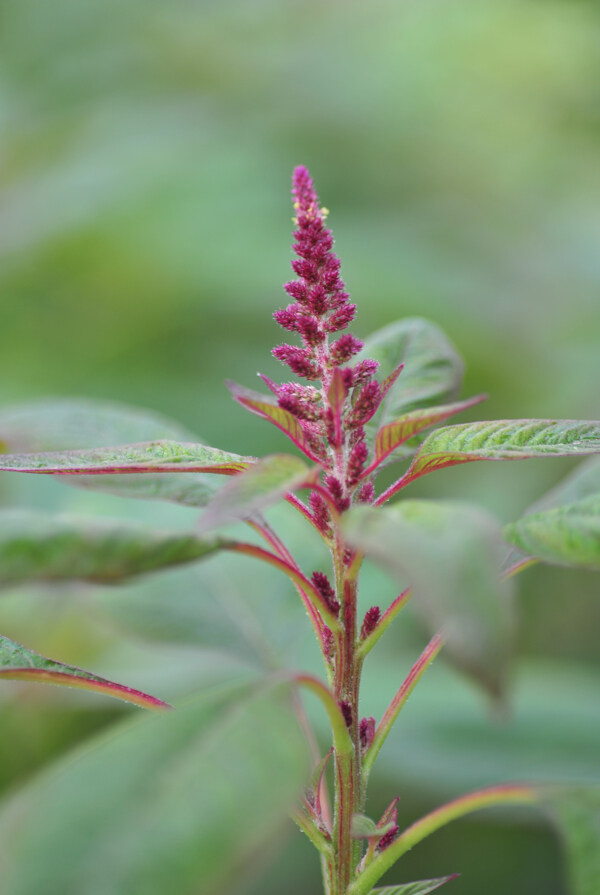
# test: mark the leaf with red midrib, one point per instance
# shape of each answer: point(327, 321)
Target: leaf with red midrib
point(500, 440)
point(422, 888)
point(264, 407)
point(22, 664)
point(150, 456)
point(257, 488)
point(392, 435)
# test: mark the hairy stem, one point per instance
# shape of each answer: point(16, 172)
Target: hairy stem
point(346, 691)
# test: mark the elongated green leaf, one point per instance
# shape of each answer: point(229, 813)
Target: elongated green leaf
point(41, 547)
point(261, 485)
point(451, 554)
point(420, 829)
point(577, 810)
point(432, 372)
point(566, 535)
point(581, 483)
point(505, 440)
point(423, 888)
point(75, 423)
point(395, 434)
point(150, 456)
point(552, 733)
point(266, 407)
point(365, 828)
point(19, 663)
point(176, 802)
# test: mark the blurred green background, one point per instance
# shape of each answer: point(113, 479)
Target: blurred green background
point(145, 226)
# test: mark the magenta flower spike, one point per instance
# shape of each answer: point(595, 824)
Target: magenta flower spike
point(332, 415)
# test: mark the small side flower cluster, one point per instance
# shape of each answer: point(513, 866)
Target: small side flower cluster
point(332, 416)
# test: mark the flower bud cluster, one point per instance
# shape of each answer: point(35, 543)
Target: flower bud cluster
point(332, 416)
point(322, 584)
point(370, 621)
point(387, 838)
point(320, 303)
point(366, 732)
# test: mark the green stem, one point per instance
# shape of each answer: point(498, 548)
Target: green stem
point(309, 829)
point(483, 798)
point(346, 689)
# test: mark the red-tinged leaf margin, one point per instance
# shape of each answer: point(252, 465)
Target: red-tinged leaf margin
point(387, 722)
point(394, 434)
point(366, 645)
point(313, 600)
point(282, 419)
point(17, 662)
point(93, 683)
point(271, 385)
point(423, 887)
point(434, 455)
point(510, 793)
point(389, 380)
point(146, 457)
point(424, 466)
point(257, 488)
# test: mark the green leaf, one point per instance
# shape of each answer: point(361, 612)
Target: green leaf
point(74, 423)
point(491, 796)
point(581, 483)
point(432, 373)
point(423, 888)
point(451, 554)
point(267, 408)
point(577, 810)
point(19, 663)
point(397, 433)
point(254, 490)
point(566, 535)
point(150, 456)
point(174, 802)
point(504, 440)
point(365, 828)
point(40, 547)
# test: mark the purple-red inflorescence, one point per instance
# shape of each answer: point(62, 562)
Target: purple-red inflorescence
point(387, 838)
point(320, 513)
point(366, 732)
point(370, 620)
point(332, 415)
point(366, 493)
point(322, 584)
point(346, 710)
